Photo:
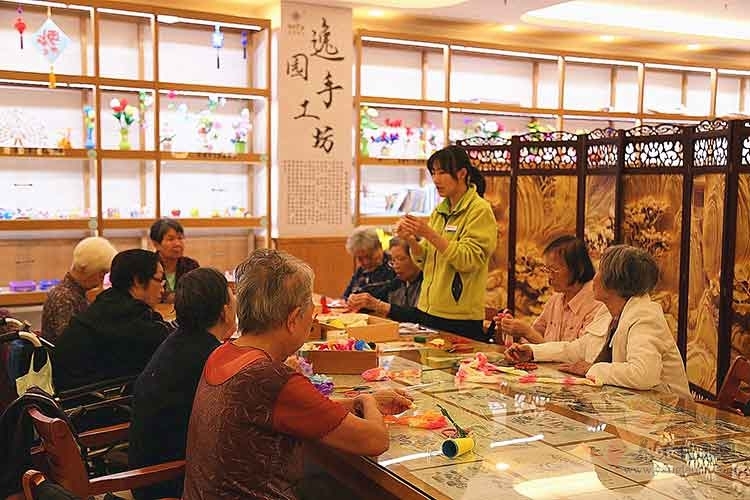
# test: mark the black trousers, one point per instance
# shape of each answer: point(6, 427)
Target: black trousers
point(469, 328)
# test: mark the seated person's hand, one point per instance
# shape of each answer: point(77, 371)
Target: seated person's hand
point(393, 401)
point(579, 368)
point(519, 353)
point(359, 301)
point(514, 327)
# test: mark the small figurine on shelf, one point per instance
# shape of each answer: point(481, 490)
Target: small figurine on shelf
point(366, 114)
point(176, 212)
point(194, 212)
point(432, 144)
point(166, 137)
point(125, 116)
point(20, 24)
point(64, 141)
point(242, 129)
point(206, 126)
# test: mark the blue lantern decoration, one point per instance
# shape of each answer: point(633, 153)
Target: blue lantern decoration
point(243, 42)
point(217, 41)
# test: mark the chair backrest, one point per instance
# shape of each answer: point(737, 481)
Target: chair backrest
point(61, 453)
point(739, 372)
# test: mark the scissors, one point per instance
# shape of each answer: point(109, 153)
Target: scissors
point(357, 390)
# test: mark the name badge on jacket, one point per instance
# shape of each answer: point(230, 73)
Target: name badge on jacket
point(451, 229)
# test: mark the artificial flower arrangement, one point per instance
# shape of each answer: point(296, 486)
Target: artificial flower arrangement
point(366, 114)
point(125, 115)
point(242, 129)
point(208, 125)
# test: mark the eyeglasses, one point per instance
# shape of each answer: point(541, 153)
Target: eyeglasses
point(162, 280)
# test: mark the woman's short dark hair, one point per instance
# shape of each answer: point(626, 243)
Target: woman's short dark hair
point(628, 271)
point(162, 226)
point(200, 297)
point(451, 160)
point(573, 251)
point(132, 267)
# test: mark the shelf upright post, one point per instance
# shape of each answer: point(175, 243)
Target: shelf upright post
point(98, 117)
point(269, 152)
point(157, 112)
point(560, 92)
point(357, 127)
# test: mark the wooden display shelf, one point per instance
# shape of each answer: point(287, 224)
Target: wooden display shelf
point(254, 158)
point(23, 78)
point(109, 84)
point(16, 299)
point(244, 92)
point(511, 109)
point(131, 154)
point(127, 223)
point(397, 102)
point(44, 153)
point(607, 115)
point(674, 117)
point(392, 162)
point(221, 222)
point(43, 224)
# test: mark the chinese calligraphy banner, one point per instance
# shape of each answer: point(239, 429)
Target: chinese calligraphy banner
point(315, 120)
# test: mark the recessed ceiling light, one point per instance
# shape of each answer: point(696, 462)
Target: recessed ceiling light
point(694, 46)
point(376, 13)
point(509, 28)
point(607, 38)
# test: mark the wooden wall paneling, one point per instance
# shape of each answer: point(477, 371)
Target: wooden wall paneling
point(222, 252)
point(327, 256)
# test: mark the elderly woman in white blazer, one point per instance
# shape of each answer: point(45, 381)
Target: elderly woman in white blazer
point(629, 343)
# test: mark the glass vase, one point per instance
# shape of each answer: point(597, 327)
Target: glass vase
point(124, 139)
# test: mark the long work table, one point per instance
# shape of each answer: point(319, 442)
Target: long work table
point(549, 440)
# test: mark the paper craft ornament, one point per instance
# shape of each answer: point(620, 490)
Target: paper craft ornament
point(243, 42)
point(217, 42)
point(20, 24)
point(51, 42)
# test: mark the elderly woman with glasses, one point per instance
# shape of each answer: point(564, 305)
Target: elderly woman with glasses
point(572, 307)
point(637, 349)
point(374, 274)
point(117, 335)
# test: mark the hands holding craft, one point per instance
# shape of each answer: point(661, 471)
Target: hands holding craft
point(387, 402)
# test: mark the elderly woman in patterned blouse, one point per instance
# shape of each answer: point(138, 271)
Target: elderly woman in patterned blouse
point(92, 258)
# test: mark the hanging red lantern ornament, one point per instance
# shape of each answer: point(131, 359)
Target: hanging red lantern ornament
point(20, 24)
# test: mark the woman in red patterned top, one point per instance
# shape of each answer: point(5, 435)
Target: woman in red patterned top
point(252, 413)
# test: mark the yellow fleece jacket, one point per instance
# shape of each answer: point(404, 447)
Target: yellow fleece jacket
point(455, 281)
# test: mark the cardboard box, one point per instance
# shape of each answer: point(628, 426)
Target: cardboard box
point(341, 362)
point(377, 330)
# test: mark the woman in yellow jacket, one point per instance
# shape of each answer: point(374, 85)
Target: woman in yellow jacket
point(453, 248)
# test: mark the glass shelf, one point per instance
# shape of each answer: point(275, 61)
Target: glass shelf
point(211, 124)
point(126, 46)
point(601, 87)
point(128, 189)
point(39, 117)
point(140, 133)
point(75, 59)
point(391, 192)
point(204, 191)
point(39, 190)
point(229, 65)
point(401, 134)
point(381, 66)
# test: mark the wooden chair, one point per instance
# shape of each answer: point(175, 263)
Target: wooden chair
point(730, 395)
point(61, 454)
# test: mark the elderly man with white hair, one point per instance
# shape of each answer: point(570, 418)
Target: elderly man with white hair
point(92, 258)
